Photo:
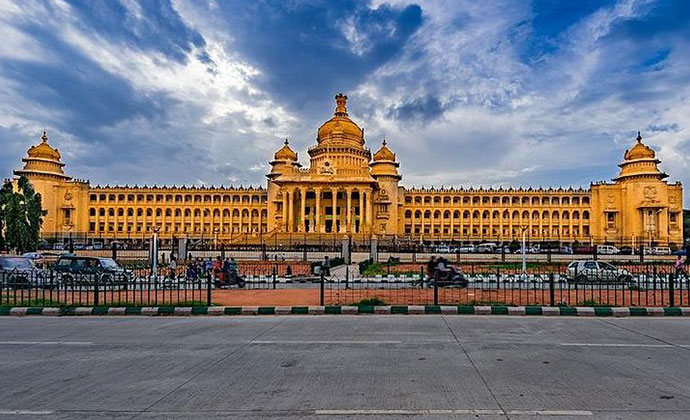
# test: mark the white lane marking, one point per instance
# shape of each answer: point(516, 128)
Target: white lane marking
point(616, 345)
point(478, 412)
point(46, 343)
point(324, 342)
point(24, 413)
point(403, 412)
point(550, 413)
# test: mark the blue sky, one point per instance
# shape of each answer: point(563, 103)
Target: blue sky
point(492, 93)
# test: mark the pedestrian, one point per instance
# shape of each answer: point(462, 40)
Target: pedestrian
point(172, 267)
point(680, 267)
point(326, 266)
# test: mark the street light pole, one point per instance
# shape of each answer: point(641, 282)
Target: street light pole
point(524, 251)
point(154, 257)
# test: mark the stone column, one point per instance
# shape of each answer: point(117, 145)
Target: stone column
point(291, 210)
point(334, 207)
point(285, 210)
point(369, 208)
point(317, 213)
point(303, 217)
point(361, 211)
point(349, 211)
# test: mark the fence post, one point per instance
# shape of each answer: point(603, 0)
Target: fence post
point(208, 289)
point(671, 290)
point(552, 292)
point(275, 275)
point(595, 253)
point(95, 290)
point(347, 277)
point(641, 253)
point(436, 287)
point(503, 254)
point(548, 256)
point(321, 289)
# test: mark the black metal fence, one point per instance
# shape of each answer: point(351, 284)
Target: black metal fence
point(49, 287)
point(543, 285)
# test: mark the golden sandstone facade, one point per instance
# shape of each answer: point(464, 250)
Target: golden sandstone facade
point(348, 191)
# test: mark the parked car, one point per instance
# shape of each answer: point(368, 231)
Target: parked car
point(658, 250)
point(466, 249)
point(18, 273)
point(74, 270)
point(590, 271)
point(565, 250)
point(486, 248)
point(627, 250)
point(607, 250)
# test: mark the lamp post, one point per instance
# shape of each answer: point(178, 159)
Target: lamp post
point(524, 250)
point(154, 249)
point(70, 244)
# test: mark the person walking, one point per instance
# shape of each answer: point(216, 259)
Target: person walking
point(326, 266)
point(680, 267)
point(172, 267)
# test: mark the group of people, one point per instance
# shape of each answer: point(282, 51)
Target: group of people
point(219, 268)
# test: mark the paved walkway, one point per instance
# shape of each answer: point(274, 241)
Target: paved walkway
point(331, 367)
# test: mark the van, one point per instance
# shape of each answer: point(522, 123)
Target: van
point(607, 250)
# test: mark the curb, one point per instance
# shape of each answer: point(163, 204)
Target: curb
point(579, 311)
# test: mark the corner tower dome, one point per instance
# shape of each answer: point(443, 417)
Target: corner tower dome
point(286, 153)
point(639, 162)
point(340, 127)
point(43, 162)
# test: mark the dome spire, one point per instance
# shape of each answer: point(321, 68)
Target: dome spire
point(341, 105)
point(639, 137)
point(44, 137)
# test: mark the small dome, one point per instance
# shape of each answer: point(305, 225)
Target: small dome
point(384, 153)
point(340, 123)
point(286, 153)
point(640, 150)
point(43, 150)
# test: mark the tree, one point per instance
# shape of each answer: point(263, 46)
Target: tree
point(5, 194)
point(23, 216)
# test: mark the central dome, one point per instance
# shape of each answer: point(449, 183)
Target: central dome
point(340, 127)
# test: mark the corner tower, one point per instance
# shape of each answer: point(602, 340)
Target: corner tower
point(639, 207)
point(65, 200)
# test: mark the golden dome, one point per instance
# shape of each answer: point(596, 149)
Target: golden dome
point(286, 153)
point(639, 150)
point(340, 124)
point(43, 150)
point(384, 153)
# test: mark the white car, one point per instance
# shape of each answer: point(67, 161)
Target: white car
point(487, 248)
point(590, 271)
point(607, 250)
point(467, 249)
point(659, 250)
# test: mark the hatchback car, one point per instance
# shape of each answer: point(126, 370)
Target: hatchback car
point(18, 273)
point(590, 271)
point(75, 270)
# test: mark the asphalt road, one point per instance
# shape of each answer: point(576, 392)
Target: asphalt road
point(340, 367)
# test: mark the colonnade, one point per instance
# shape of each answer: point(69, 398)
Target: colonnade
point(313, 209)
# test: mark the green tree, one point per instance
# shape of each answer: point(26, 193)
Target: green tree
point(5, 195)
point(23, 216)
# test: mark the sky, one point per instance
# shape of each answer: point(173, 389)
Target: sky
point(468, 94)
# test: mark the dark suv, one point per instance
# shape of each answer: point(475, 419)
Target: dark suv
point(84, 271)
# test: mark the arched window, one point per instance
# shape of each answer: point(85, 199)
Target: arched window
point(92, 212)
point(408, 214)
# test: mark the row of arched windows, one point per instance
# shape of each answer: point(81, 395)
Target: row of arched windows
point(178, 198)
point(168, 212)
point(496, 200)
point(495, 215)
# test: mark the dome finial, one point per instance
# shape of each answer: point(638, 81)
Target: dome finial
point(384, 142)
point(44, 137)
point(341, 105)
point(639, 137)
point(286, 141)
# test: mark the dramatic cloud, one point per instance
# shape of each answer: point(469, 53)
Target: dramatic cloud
point(468, 93)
